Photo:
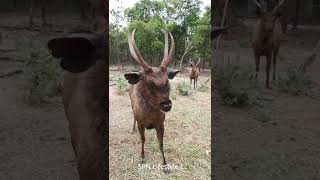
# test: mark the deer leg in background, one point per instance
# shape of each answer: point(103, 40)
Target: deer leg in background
point(196, 82)
point(141, 131)
point(257, 62)
point(160, 132)
point(134, 126)
point(269, 57)
point(275, 53)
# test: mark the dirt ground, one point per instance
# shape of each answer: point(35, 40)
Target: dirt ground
point(288, 145)
point(187, 141)
point(35, 142)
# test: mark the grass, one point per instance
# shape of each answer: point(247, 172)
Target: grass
point(41, 74)
point(237, 86)
point(184, 88)
point(295, 82)
point(186, 140)
point(203, 88)
point(122, 85)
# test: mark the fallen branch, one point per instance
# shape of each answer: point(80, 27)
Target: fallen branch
point(10, 73)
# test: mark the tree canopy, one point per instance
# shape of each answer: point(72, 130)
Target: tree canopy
point(184, 19)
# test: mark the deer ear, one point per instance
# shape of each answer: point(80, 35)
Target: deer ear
point(172, 73)
point(133, 77)
point(78, 52)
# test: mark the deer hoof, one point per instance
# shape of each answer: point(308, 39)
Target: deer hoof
point(143, 160)
point(166, 169)
point(133, 131)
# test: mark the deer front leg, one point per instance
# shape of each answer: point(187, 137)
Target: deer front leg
point(134, 126)
point(274, 64)
point(268, 70)
point(257, 63)
point(141, 131)
point(160, 132)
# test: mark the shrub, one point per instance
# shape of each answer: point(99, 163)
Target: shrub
point(122, 85)
point(41, 74)
point(184, 88)
point(237, 85)
point(203, 88)
point(295, 82)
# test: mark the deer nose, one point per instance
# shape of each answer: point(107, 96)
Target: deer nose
point(166, 105)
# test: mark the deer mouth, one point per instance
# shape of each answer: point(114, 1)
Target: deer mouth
point(166, 106)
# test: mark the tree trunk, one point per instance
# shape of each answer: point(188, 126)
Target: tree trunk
point(31, 13)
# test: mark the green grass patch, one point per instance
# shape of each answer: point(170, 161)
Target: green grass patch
point(295, 82)
point(121, 85)
point(184, 88)
point(237, 85)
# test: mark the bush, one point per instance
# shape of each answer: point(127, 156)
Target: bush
point(237, 85)
point(184, 88)
point(203, 88)
point(41, 74)
point(295, 82)
point(122, 85)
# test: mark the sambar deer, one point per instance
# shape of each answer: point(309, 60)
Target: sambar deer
point(194, 73)
point(266, 37)
point(84, 57)
point(85, 99)
point(149, 92)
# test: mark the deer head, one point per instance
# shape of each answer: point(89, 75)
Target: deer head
point(268, 18)
point(153, 81)
point(194, 65)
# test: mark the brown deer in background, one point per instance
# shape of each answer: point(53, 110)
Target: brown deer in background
point(194, 73)
point(149, 92)
point(266, 37)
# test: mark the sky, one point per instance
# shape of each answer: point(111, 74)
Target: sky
point(125, 4)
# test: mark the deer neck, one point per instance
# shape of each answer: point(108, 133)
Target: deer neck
point(145, 98)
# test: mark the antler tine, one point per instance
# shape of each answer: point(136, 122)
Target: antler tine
point(278, 6)
point(258, 4)
point(166, 61)
point(198, 61)
point(135, 52)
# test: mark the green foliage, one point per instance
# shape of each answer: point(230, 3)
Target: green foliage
point(122, 85)
point(262, 115)
point(183, 19)
point(184, 88)
point(237, 86)
point(203, 88)
point(295, 82)
point(41, 74)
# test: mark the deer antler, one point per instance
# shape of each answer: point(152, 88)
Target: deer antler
point(198, 62)
point(258, 4)
point(168, 57)
point(135, 52)
point(278, 7)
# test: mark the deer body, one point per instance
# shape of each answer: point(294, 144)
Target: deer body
point(266, 39)
point(149, 93)
point(84, 99)
point(194, 73)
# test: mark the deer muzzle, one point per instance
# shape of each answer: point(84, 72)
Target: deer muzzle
point(166, 106)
